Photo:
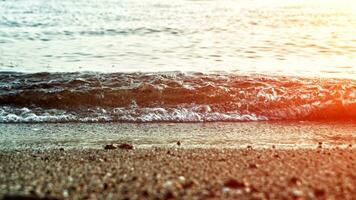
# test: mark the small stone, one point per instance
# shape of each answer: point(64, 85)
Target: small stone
point(297, 193)
point(70, 179)
point(253, 166)
point(178, 143)
point(168, 185)
point(293, 181)
point(109, 147)
point(233, 183)
point(226, 190)
point(61, 149)
point(273, 146)
point(247, 190)
point(249, 147)
point(125, 146)
point(181, 179)
point(65, 194)
point(319, 192)
point(320, 145)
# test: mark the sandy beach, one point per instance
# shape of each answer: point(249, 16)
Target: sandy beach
point(179, 173)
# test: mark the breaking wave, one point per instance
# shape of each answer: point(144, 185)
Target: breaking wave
point(172, 97)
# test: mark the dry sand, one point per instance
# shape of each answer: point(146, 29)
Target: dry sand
point(177, 173)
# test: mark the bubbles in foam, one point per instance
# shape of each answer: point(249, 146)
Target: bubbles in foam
point(132, 114)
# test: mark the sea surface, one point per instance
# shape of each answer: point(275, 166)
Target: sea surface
point(288, 37)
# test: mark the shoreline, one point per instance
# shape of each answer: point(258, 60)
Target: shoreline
point(179, 173)
point(194, 135)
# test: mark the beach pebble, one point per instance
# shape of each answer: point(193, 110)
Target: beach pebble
point(296, 193)
point(110, 146)
point(320, 144)
point(65, 194)
point(319, 192)
point(226, 190)
point(253, 166)
point(168, 185)
point(181, 179)
point(294, 181)
point(125, 146)
point(233, 183)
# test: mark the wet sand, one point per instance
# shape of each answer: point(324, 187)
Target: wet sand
point(179, 173)
point(46, 136)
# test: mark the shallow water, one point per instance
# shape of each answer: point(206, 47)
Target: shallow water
point(303, 38)
point(191, 135)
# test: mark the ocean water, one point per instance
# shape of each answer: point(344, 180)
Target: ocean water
point(177, 61)
point(288, 37)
